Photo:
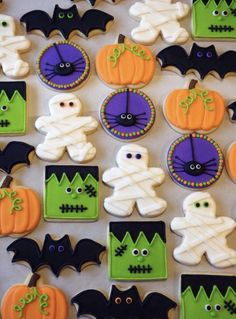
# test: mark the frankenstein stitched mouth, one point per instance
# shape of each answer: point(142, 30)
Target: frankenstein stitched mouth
point(4, 123)
point(230, 306)
point(140, 269)
point(65, 208)
point(221, 28)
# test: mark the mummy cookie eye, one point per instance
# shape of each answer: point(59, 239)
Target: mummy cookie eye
point(128, 300)
point(215, 13)
point(206, 204)
point(71, 104)
point(60, 249)
point(51, 249)
point(68, 190)
point(224, 13)
point(4, 24)
point(129, 155)
point(208, 307)
point(4, 108)
point(79, 190)
point(197, 205)
point(118, 300)
point(144, 252)
point(135, 252)
point(217, 307)
point(62, 104)
point(138, 156)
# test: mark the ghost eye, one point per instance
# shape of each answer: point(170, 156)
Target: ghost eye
point(61, 15)
point(197, 205)
point(79, 190)
point(208, 307)
point(199, 54)
point(4, 108)
point(224, 13)
point(128, 300)
point(68, 190)
point(70, 15)
point(62, 104)
point(61, 249)
point(215, 13)
point(118, 300)
point(71, 104)
point(144, 252)
point(129, 155)
point(217, 307)
point(4, 24)
point(138, 156)
point(135, 252)
point(209, 54)
point(206, 204)
point(51, 249)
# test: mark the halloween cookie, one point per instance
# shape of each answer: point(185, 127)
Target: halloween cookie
point(34, 300)
point(133, 182)
point(137, 251)
point(127, 114)
point(211, 19)
point(95, 2)
point(56, 254)
point(125, 64)
point(203, 233)
point(194, 109)
point(63, 66)
point(231, 161)
point(19, 209)
point(71, 193)
point(159, 18)
point(201, 61)
point(232, 111)
point(66, 130)
point(125, 304)
point(208, 296)
point(195, 161)
point(67, 22)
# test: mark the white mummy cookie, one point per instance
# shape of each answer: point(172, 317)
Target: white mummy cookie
point(10, 47)
point(159, 17)
point(133, 183)
point(66, 130)
point(203, 233)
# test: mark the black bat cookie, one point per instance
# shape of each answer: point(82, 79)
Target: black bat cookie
point(14, 154)
point(66, 21)
point(232, 111)
point(94, 2)
point(125, 304)
point(204, 60)
point(56, 254)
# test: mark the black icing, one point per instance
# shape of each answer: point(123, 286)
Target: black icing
point(205, 2)
point(10, 87)
point(93, 2)
point(71, 170)
point(232, 107)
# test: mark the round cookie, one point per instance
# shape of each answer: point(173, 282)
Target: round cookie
point(194, 109)
point(125, 64)
point(195, 161)
point(231, 161)
point(127, 114)
point(63, 66)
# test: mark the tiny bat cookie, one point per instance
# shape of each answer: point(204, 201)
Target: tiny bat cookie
point(232, 111)
point(94, 2)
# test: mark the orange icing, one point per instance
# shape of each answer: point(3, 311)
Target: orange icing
point(231, 161)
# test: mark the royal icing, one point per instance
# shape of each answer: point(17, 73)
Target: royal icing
point(159, 17)
point(133, 183)
point(11, 46)
point(231, 161)
point(66, 130)
point(137, 251)
point(94, 2)
point(232, 111)
point(203, 233)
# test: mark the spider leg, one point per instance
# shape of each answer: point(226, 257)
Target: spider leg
point(210, 165)
point(179, 170)
point(138, 126)
point(140, 114)
point(110, 114)
point(114, 126)
point(179, 163)
point(49, 69)
point(78, 60)
point(211, 160)
point(47, 63)
point(209, 174)
point(211, 170)
point(142, 118)
point(51, 76)
point(180, 159)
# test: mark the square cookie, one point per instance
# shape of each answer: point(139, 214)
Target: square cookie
point(71, 193)
point(137, 251)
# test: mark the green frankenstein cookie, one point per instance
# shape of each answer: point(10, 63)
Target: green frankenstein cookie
point(12, 108)
point(137, 251)
point(208, 296)
point(214, 19)
point(71, 193)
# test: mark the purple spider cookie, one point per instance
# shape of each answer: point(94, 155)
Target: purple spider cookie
point(127, 114)
point(63, 66)
point(195, 161)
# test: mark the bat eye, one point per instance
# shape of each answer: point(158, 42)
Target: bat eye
point(224, 13)
point(199, 54)
point(144, 252)
point(51, 249)
point(61, 15)
point(68, 190)
point(197, 205)
point(138, 156)
point(123, 116)
point(217, 307)
point(135, 252)
point(128, 300)
point(4, 24)
point(129, 155)
point(209, 54)
point(71, 104)
point(215, 13)
point(129, 116)
point(4, 108)
point(208, 307)
point(118, 300)
point(206, 204)
point(70, 15)
point(60, 249)
point(79, 190)
point(62, 104)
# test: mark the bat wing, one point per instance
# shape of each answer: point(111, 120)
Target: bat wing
point(87, 251)
point(232, 111)
point(94, 20)
point(27, 250)
point(174, 56)
point(38, 20)
point(226, 63)
point(15, 153)
point(158, 305)
point(91, 302)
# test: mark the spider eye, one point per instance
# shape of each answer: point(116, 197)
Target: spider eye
point(61, 15)
point(199, 54)
point(197, 205)
point(128, 300)
point(4, 108)
point(129, 116)
point(215, 13)
point(129, 155)
point(68, 190)
point(198, 166)
point(224, 13)
point(67, 64)
point(60, 249)
point(62, 65)
point(209, 54)
point(62, 104)
point(79, 190)
point(71, 104)
point(145, 252)
point(206, 204)
point(138, 156)
point(70, 15)
point(51, 249)
point(123, 116)
point(217, 307)
point(118, 300)
point(208, 307)
point(4, 24)
point(192, 167)
point(135, 252)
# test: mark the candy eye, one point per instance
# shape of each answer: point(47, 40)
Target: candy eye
point(128, 300)
point(208, 307)
point(62, 65)
point(144, 252)
point(118, 300)
point(71, 104)
point(129, 116)
point(197, 205)
point(61, 249)
point(4, 108)
point(68, 190)
point(199, 54)
point(61, 15)
point(67, 64)
point(135, 252)
point(198, 166)
point(138, 156)
point(79, 190)
point(129, 155)
point(123, 116)
point(62, 104)
point(51, 249)
point(192, 167)
point(215, 13)
point(209, 54)
point(70, 15)
point(206, 204)
point(224, 13)
point(217, 307)
point(4, 24)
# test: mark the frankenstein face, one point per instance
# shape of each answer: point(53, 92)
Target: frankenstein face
point(71, 193)
point(137, 251)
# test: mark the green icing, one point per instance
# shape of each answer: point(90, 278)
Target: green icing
point(80, 203)
point(12, 114)
point(210, 20)
point(15, 201)
point(128, 266)
point(204, 307)
point(191, 98)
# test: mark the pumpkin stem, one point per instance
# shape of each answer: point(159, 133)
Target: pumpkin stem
point(192, 84)
point(121, 38)
point(7, 181)
point(33, 280)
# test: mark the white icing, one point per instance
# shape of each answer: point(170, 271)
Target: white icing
point(66, 129)
point(159, 16)
point(10, 47)
point(133, 183)
point(203, 233)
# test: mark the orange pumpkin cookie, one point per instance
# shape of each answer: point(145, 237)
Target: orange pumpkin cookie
point(19, 209)
point(194, 109)
point(231, 161)
point(125, 64)
point(33, 300)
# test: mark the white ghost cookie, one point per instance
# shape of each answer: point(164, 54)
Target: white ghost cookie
point(159, 17)
point(203, 233)
point(66, 130)
point(133, 183)
point(10, 47)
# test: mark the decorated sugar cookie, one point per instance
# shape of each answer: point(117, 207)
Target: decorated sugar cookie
point(203, 233)
point(159, 17)
point(125, 304)
point(66, 130)
point(71, 193)
point(34, 300)
point(133, 183)
point(213, 19)
point(232, 111)
point(125, 64)
point(127, 114)
point(137, 251)
point(63, 66)
point(56, 254)
point(194, 109)
point(208, 296)
point(94, 2)
point(195, 161)
point(231, 161)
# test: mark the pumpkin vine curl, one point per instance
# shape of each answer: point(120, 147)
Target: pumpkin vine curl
point(15, 201)
point(191, 98)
